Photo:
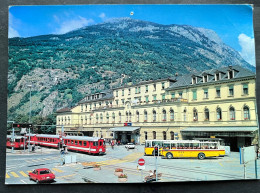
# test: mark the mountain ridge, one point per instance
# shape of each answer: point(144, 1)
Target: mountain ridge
point(64, 68)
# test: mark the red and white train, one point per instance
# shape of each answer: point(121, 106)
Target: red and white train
point(91, 145)
point(18, 142)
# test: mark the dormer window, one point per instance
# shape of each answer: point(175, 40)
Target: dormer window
point(205, 78)
point(230, 74)
point(217, 76)
point(194, 80)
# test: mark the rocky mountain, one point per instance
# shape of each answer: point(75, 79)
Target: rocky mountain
point(64, 68)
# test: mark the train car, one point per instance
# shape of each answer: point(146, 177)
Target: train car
point(45, 140)
point(91, 145)
point(18, 142)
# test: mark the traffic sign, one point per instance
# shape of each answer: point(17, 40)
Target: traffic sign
point(141, 162)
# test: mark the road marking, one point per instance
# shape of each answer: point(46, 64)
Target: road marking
point(24, 182)
point(57, 170)
point(7, 176)
point(14, 174)
point(220, 164)
point(66, 176)
point(24, 174)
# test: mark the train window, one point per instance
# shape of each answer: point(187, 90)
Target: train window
point(95, 143)
point(72, 142)
point(80, 143)
point(85, 143)
point(76, 142)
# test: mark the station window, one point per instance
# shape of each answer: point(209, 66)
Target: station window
point(245, 89)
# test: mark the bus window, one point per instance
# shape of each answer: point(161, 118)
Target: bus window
point(76, 142)
point(173, 145)
point(85, 143)
point(100, 143)
point(213, 145)
point(204, 145)
point(80, 143)
point(186, 145)
point(72, 142)
point(159, 143)
point(166, 146)
point(95, 143)
point(17, 140)
point(180, 145)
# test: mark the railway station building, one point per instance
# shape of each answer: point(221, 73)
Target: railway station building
point(216, 103)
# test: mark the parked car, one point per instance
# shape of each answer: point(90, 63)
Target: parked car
point(130, 146)
point(41, 175)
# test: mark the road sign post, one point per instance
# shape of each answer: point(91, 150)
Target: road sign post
point(141, 163)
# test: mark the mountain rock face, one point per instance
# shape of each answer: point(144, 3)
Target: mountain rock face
point(64, 68)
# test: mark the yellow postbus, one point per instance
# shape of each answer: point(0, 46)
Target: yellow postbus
point(191, 149)
point(149, 146)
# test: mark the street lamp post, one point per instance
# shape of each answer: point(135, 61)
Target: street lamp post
point(30, 86)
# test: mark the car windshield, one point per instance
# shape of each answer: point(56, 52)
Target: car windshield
point(130, 144)
point(45, 172)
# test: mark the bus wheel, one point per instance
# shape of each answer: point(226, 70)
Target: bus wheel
point(201, 156)
point(169, 155)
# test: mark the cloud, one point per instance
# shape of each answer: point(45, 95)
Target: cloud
point(102, 15)
point(70, 25)
point(12, 32)
point(248, 48)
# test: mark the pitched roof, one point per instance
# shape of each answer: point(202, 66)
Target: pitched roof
point(186, 80)
point(66, 109)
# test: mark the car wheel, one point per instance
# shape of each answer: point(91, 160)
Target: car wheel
point(201, 156)
point(169, 155)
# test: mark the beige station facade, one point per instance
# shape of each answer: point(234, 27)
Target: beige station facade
point(217, 103)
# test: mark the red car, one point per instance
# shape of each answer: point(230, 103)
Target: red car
point(42, 175)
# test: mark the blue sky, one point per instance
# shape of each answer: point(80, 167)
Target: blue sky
point(233, 23)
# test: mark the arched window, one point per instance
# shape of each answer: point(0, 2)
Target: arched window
point(130, 117)
point(232, 113)
point(107, 117)
point(154, 115)
point(164, 135)
point(219, 114)
point(246, 113)
point(101, 118)
point(97, 118)
point(154, 134)
point(164, 115)
point(120, 117)
point(184, 115)
point(137, 116)
point(172, 115)
point(195, 115)
point(206, 113)
point(126, 117)
point(113, 117)
point(145, 116)
point(172, 135)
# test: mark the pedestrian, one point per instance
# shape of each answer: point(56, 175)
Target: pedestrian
point(112, 144)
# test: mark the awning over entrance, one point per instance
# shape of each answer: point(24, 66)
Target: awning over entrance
point(238, 131)
point(220, 129)
point(124, 129)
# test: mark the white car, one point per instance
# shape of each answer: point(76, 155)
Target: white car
point(130, 146)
